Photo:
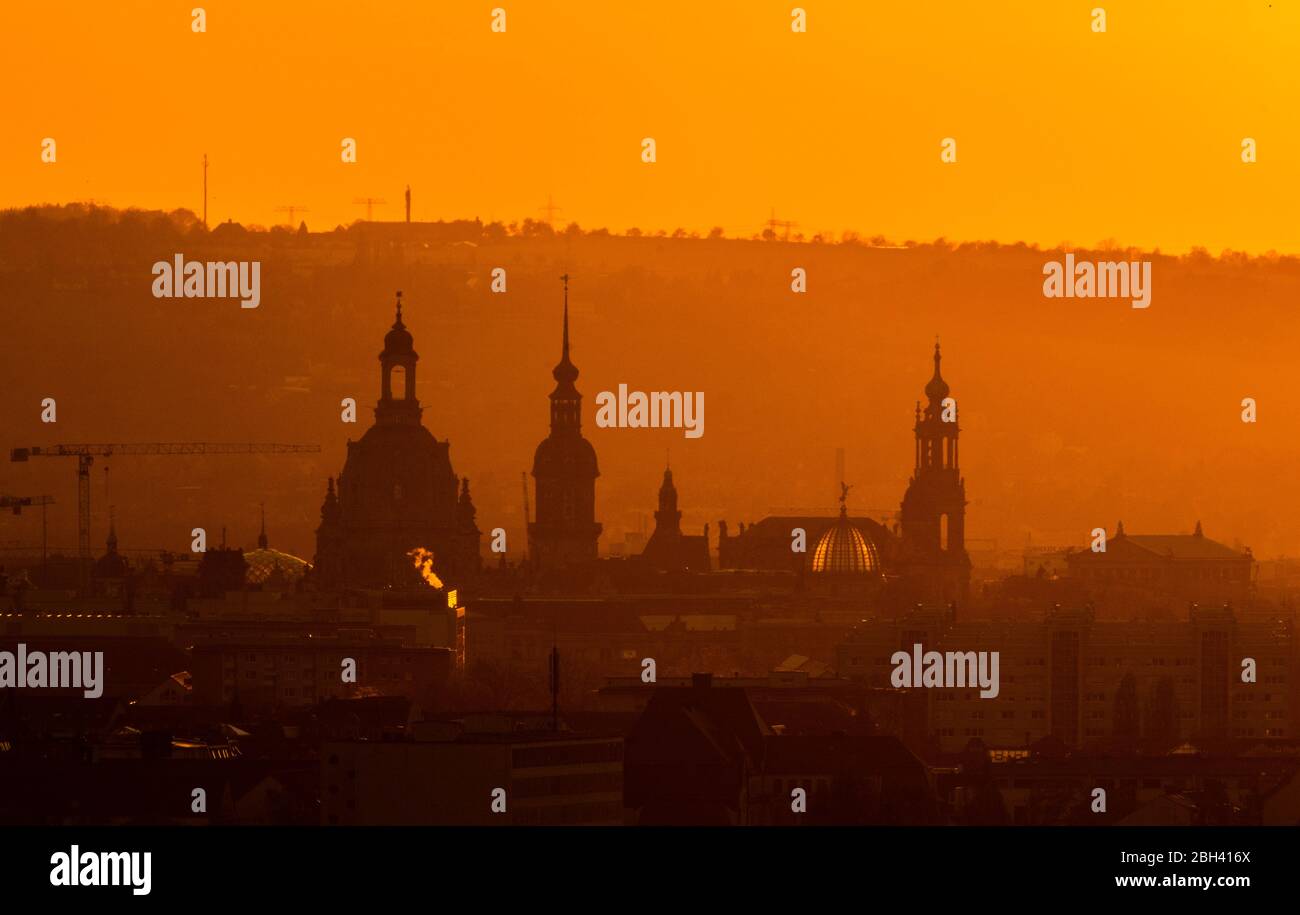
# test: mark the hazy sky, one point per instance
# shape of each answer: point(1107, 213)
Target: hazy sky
point(1062, 134)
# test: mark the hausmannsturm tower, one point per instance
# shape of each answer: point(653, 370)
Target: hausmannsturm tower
point(565, 531)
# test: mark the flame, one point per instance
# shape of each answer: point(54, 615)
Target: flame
point(423, 560)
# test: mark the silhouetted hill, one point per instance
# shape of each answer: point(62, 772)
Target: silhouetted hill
point(1075, 412)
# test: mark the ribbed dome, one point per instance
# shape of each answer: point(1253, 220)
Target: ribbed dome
point(844, 550)
point(263, 563)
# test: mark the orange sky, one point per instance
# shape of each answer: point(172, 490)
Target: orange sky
point(1063, 134)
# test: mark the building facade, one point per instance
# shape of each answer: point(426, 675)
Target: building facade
point(1084, 681)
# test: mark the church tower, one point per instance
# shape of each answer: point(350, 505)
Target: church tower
point(668, 549)
point(936, 566)
point(564, 472)
point(668, 519)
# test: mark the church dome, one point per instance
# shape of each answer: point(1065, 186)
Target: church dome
point(398, 474)
point(398, 339)
point(845, 550)
point(565, 455)
point(265, 564)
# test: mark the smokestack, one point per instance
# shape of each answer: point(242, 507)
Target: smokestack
point(555, 689)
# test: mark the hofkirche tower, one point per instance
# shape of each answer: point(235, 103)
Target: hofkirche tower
point(396, 492)
point(565, 531)
point(935, 564)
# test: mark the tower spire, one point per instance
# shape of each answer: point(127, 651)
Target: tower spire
point(565, 372)
point(565, 353)
point(937, 389)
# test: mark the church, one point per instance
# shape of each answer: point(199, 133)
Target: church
point(397, 492)
point(565, 533)
point(922, 558)
point(669, 550)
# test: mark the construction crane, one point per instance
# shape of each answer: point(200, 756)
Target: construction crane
point(369, 203)
point(524, 479)
point(292, 208)
point(86, 454)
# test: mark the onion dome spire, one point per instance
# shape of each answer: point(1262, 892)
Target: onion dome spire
point(937, 389)
point(566, 373)
point(398, 340)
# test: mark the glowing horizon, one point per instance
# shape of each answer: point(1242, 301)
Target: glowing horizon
point(1063, 135)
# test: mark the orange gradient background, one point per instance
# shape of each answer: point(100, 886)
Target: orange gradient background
point(1063, 134)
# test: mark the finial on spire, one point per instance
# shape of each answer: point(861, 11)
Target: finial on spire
point(261, 538)
point(565, 373)
point(1119, 529)
point(398, 323)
